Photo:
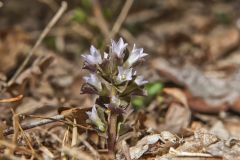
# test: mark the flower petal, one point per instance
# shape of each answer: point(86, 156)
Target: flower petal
point(93, 116)
point(94, 57)
point(135, 55)
point(118, 47)
point(124, 74)
point(94, 81)
point(140, 81)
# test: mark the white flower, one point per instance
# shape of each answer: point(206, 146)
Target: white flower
point(105, 55)
point(124, 74)
point(94, 57)
point(140, 81)
point(94, 81)
point(118, 47)
point(135, 55)
point(93, 116)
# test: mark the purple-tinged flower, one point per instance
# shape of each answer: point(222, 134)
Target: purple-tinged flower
point(124, 74)
point(94, 81)
point(95, 119)
point(94, 57)
point(118, 47)
point(140, 80)
point(135, 55)
point(88, 89)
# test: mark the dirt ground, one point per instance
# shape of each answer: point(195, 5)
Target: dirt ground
point(193, 104)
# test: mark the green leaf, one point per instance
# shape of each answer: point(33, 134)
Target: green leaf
point(79, 15)
point(138, 102)
point(107, 13)
point(154, 88)
point(87, 4)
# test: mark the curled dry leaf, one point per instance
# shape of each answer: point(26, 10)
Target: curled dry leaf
point(177, 117)
point(204, 144)
point(178, 94)
point(148, 141)
point(143, 145)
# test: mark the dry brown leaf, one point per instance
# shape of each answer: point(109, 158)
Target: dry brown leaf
point(2, 128)
point(31, 75)
point(177, 118)
point(178, 94)
point(148, 141)
point(221, 41)
point(12, 43)
point(206, 93)
point(75, 113)
point(142, 145)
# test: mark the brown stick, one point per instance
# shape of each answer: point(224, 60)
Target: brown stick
point(122, 16)
point(9, 100)
point(39, 41)
point(102, 24)
point(34, 124)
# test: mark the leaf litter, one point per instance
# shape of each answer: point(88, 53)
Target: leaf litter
point(193, 114)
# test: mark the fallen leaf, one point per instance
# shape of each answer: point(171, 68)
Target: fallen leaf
point(177, 118)
point(178, 94)
point(75, 113)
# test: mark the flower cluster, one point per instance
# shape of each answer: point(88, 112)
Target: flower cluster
point(113, 78)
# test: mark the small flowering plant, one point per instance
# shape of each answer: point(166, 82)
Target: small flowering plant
point(115, 81)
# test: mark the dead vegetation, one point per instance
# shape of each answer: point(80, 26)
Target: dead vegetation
point(193, 103)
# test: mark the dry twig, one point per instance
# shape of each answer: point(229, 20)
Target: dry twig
point(34, 124)
point(122, 16)
point(102, 24)
point(188, 154)
point(14, 99)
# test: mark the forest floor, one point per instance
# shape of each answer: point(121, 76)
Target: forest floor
point(193, 104)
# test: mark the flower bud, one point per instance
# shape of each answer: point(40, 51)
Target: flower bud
point(95, 119)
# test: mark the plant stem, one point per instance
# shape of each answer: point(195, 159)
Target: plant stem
point(112, 134)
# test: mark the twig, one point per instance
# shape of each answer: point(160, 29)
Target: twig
point(74, 134)
point(102, 24)
point(91, 149)
point(14, 99)
point(46, 120)
point(122, 16)
point(39, 41)
point(188, 154)
point(125, 149)
point(33, 154)
point(34, 124)
point(63, 121)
